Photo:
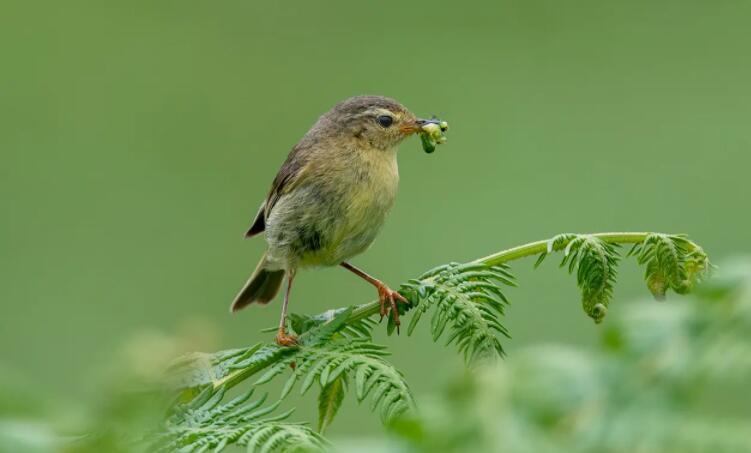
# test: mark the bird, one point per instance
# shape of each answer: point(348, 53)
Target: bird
point(329, 200)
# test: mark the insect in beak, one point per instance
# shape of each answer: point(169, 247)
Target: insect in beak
point(432, 133)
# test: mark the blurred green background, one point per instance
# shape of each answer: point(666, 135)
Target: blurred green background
point(138, 138)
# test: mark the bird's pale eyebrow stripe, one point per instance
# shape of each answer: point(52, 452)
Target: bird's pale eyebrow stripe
point(378, 111)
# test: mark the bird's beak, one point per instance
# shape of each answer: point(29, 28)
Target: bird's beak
point(414, 126)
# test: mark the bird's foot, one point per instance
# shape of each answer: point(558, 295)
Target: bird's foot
point(284, 339)
point(388, 298)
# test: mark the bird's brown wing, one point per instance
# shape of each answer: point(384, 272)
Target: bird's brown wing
point(286, 179)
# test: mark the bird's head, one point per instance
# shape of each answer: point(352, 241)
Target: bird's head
point(379, 121)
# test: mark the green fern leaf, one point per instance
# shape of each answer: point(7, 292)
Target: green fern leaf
point(671, 262)
point(360, 328)
point(326, 331)
point(330, 400)
point(328, 362)
point(205, 424)
point(194, 372)
point(595, 262)
point(467, 300)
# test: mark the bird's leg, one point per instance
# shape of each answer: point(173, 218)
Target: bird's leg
point(282, 338)
point(385, 294)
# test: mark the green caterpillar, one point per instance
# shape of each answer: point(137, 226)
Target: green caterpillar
point(432, 134)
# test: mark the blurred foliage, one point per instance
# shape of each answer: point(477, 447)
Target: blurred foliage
point(128, 398)
point(667, 377)
point(205, 423)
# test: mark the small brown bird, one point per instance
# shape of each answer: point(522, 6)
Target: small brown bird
point(330, 199)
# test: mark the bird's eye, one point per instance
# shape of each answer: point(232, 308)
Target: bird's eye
point(385, 120)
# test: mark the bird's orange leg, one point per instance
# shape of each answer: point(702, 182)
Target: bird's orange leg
point(385, 294)
point(282, 338)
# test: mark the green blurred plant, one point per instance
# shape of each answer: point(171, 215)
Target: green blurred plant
point(204, 423)
point(335, 349)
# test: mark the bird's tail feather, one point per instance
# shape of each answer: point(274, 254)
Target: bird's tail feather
point(260, 288)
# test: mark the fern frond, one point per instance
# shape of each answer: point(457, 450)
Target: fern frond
point(671, 262)
point(205, 424)
point(595, 262)
point(361, 328)
point(324, 354)
point(329, 362)
point(467, 299)
point(195, 372)
point(225, 369)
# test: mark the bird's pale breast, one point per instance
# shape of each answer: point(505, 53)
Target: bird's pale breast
point(337, 212)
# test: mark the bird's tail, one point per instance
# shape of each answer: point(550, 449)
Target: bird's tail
point(261, 287)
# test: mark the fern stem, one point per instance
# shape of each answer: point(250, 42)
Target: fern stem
point(515, 253)
point(535, 248)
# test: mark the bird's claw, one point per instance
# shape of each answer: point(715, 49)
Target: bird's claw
point(386, 294)
point(284, 339)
